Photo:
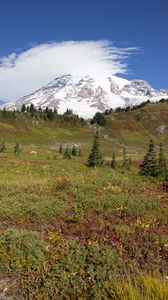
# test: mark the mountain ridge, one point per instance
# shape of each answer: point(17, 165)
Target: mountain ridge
point(87, 95)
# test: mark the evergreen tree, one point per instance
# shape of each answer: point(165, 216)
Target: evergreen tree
point(2, 147)
point(23, 109)
point(113, 162)
point(162, 167)
point(74, 151)
point(4, 112)
point(28, 109)
point(32, 109)
point(99, 118)
point(40, 109)
point(17, 149)
point(40, 112)
point(60, 149)
point(95, 157)
point(68, 112)
point(67, 153)
point(126, 164)
point(50, 114)
point(46, 110)
point(149, 165)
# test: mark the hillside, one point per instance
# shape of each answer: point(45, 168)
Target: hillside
point(132, 129)
point(136, 127)
point(68, 231)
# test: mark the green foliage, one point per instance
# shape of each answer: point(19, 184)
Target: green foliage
point(4, 112)
point(113, 162)
point(127, 162)
point(149, 166)
point(19, 251)
point(23, 109)
point(71, 271)
point(101, 220)
point(32, 108)
point(65, 269)
point(72, 232)
point(74, 151)
point(50, 115)
point(67, 153)
point(68, 112)
point(17, 149)
point(95, 157)
point(43, 114)
point(77, 217)
point(2, 147)
point(99, 119)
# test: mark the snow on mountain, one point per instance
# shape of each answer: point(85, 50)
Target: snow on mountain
point(87, 95)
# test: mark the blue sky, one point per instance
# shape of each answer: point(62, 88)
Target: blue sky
point(142, 24)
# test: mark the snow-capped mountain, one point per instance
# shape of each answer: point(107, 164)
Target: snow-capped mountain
point(87, 95)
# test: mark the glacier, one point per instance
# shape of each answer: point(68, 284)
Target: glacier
point(90, 94)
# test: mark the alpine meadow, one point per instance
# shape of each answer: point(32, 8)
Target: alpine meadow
point(83, 150)
point(76, 221)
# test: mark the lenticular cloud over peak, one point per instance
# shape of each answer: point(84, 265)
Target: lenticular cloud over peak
point(21, 74)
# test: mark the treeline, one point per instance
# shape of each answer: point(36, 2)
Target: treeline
point(68, 116)
point(154, 164)
point(46, 114)
point(126, 109)
point(100, 118)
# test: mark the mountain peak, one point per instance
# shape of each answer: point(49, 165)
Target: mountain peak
point(86, 95)
point(58, 82)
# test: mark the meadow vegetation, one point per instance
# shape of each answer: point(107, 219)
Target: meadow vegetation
point(69, 231)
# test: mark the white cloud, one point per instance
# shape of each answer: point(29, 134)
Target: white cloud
point(21, 74)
